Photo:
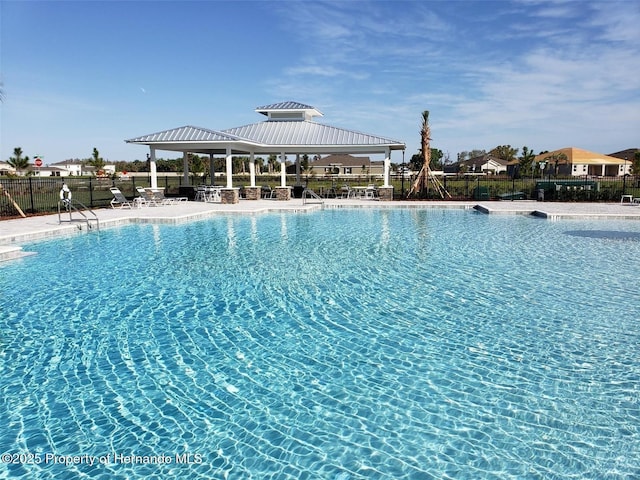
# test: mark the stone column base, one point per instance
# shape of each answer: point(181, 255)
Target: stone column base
point(252, 193)
point(230, 195)
point(283, 193)
point(385, 194)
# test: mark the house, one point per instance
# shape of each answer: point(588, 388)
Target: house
point(486, 163)
point(6, 169)
point(578, 162)
point(346, 165)
point(76, 168)
point(48, 171)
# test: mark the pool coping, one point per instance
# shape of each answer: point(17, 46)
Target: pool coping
point(16, 231)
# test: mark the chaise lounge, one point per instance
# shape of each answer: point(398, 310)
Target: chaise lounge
point(119, 199)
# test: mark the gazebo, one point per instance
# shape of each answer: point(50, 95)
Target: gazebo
point(288, 130)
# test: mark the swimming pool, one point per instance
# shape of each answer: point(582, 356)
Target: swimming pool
point(339, 344)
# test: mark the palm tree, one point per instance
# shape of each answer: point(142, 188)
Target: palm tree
point(555, 159)
point(425, 175)
point(96, 161)
point(18, 161)
point(259, 162)
point(272, 161)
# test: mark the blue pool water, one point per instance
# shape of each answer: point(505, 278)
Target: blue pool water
point(339, 344)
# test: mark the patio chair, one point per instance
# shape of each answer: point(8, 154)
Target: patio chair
point(148, 199)
point(267, 192)
point(119, 199)
point(371, 192)
point(201, 194)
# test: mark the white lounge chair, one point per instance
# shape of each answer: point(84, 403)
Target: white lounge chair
point(158, 195)
point(146, 198)
point(119, 199)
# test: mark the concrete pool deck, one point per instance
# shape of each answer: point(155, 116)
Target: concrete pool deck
point(23, 230)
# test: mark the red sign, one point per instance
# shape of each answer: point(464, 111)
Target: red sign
point(38, 162)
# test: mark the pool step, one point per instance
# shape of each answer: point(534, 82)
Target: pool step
point(12, 252)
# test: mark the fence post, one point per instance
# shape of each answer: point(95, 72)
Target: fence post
point(90, 192)
point(33, 208)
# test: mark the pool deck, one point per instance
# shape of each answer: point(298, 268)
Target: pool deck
point(23, 230)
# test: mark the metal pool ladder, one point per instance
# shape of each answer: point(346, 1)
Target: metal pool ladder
point(309, 196)
point(67, 205)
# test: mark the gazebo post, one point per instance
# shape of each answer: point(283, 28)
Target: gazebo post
point(185, 168)
point(283, 170)
point(252, 192)
point(252, 169)
point(152, 168)
point(230, 194)
point(297, 169)
point(385, 192)
point(283, 192)
point(229, 165)
point(386, 168)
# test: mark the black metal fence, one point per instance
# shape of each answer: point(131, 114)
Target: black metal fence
point(35, 195)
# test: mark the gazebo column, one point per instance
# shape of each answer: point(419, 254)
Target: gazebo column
point(252, 192)
point(385, 192)
point(212, 169)
point(152, 168)
point(229, 194)
point(185, 168)
point(283, 192)
point(283, 170)
point(297, 169)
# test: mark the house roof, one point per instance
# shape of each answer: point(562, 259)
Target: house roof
point(291, 130)
point(578, 155)
point(482, 160)
point(628, 154)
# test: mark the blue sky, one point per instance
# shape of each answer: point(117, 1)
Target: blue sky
point(84, 74)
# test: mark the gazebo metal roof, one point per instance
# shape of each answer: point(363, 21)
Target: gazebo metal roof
point(305, 136)
point(285, 135)
point(289, 107)
point(185, 134)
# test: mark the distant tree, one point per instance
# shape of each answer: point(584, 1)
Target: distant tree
point(259, 165)
point(304, 163)
point(635, 167)
point(239, 164)
point(139, 166)
point(167, 165)
point(504, 152)
point(96, 161)
point(553, 160)
point(19, 162)
point(415, 162)
point(272, 162)
point(525, 161)
point(464, 155)
point(196, 164)
point(436, 159)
